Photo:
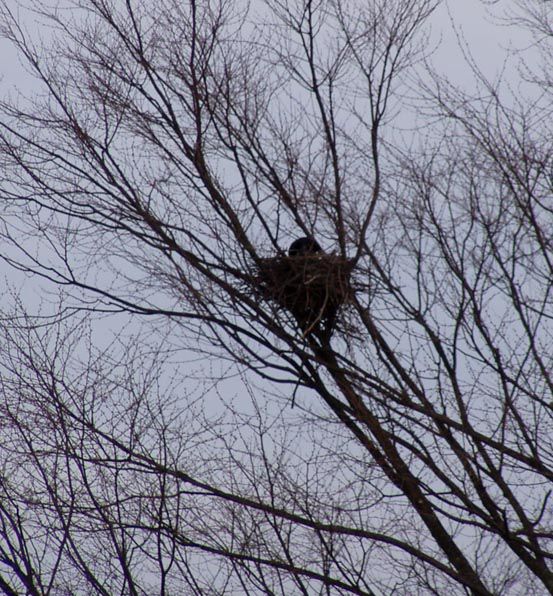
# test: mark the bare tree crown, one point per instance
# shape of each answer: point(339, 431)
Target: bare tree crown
point(209, 410)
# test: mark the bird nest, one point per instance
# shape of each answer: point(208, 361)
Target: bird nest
point(312, 287)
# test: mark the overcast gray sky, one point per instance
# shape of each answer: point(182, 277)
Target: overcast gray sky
point(487, 40)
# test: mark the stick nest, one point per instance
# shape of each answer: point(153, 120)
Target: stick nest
point(312, 287)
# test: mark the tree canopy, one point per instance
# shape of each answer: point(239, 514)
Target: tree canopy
point(170, 428)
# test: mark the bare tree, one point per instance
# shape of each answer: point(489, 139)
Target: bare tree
point(172, 152)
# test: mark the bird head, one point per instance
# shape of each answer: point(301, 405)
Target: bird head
point(304, 246)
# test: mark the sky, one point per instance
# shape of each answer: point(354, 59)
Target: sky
point(486, 38)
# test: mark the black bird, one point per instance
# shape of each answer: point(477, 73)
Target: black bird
point(304, 246)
